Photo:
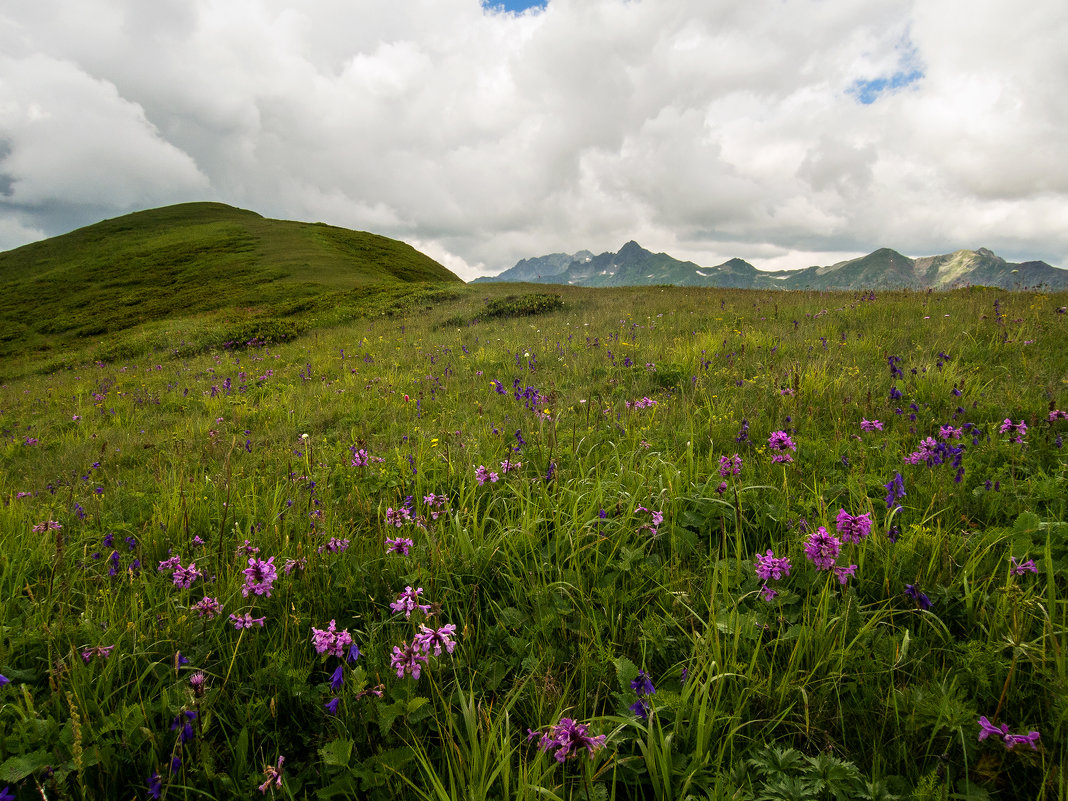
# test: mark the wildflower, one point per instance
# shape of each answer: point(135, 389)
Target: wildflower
point(398, 517)
point(640, 708)
point(482, 475)
point(822, 548)
point(399, 545)
point(185, 576)
point(293, 564)
point(408, 602)
point(949, 432)
point(780, 441)
point(769, 567)
point(155, 787)
point(259, 577)
point(643, 685)
point(246, 621)
point(185, 722)
point(4, 680)
point(197, 541)
point(353, 654)
point(359, 457)
point(568, 737)
point(176, 764)
point(870, 425)
point(1017, 430)
point(895, 490)
point(1015, 739)
point(768, 594)
point(273, 774)
point(1019, 568)
point(208, 607)
point(338, 678)
point(335, 545)
point(919, 597)
point(852, 528)
point(928, 453)
point(330, 640)
point(331, 705)
point(508, 466)
point(429, 639)
point(48, 525)
point(730, 465)
point(1057, 414)
point(197, 682)
point(845, 573)
point(406, 659)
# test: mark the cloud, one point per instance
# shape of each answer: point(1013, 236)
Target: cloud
point(706, 128)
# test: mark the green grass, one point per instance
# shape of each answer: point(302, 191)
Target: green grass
point(193, 265)
point(558, 587)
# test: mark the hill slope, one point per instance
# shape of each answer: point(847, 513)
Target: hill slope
point(186, 259)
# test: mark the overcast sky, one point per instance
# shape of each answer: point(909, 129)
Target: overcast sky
point(784, 132)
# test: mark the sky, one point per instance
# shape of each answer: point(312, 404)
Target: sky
point(785, 132)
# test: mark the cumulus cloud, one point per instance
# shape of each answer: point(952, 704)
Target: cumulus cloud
point(787, 133)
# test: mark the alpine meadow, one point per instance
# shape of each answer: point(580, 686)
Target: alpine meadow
point(326, 522)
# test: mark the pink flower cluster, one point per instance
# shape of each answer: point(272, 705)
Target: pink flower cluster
point(408, 602)
point(330, 640)
point(1015, 430)
point(852, 528)
point(780, 442)
point(870, 425)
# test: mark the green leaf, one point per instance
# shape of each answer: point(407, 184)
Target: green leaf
point(337, 753)
point(18, 768)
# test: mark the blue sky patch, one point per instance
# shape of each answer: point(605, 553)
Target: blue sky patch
point(514, 6)
point(867, 92)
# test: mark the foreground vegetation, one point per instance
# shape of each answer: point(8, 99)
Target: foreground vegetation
point(549, 546)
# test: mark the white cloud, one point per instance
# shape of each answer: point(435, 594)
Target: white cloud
point(705, 128)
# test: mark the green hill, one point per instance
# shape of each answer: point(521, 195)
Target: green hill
point(191, 259)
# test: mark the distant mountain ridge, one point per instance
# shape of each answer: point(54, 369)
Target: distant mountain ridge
point(633, 265)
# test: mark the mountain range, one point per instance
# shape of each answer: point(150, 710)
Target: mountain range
point(633, 265)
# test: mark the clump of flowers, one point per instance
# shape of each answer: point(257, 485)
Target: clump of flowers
point(769, 567)
point(99, 651)
point(1016, 431)
point(483, 474)
point(568, 737)
point(852, 528)
point(399, 545)
point(260, 576)
point(334, 545)
point(47, 525)
point(185, 576)
point(274, 776)
point(331, 641)
point(430, 639)
point(408, 660)
point(207, 607)
point(895, 490)
point(780, 442)
point(408, 602)
point(730, 465)
point(642, 403)
point(643, 688)
point(870, 425)
point(822, 549)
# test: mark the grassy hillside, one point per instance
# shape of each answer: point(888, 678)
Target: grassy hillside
point(830, 530)
point(191, 259)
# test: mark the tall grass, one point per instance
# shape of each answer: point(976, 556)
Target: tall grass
point(616, 547)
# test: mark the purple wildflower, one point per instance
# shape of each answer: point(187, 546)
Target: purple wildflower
point(769, 567)
point(822, 548)
point(331, 705)
point(330, 640)
point(184, 721)
point(185, 576)
point(208, 607)
point(246, 621)
point(921, 599)
point(852, 528)
point(408, 602)
point(1015, 739)
point(895, 490)
point(643, 685)
point(870, 425)
point(780, 441)
point(48, 525)
point(259, 577)
point(730, 465)
point(1019, 568)
point(429, 639)
point(482, 475)
point(338, 678)
point(274, 775)
point(845, 573)
point(568, 737)
point(399, 545)
point(406, 659)
point(155, 786)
